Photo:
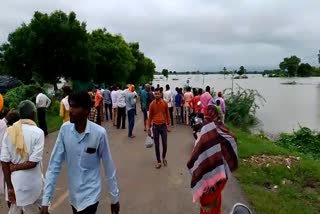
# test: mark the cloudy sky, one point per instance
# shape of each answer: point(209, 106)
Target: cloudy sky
point(194, 34)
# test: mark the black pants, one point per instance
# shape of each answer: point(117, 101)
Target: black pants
point(42, 120)
point(92, 209)
point(160, 130)
point(121, 120)
point(171, 115)
point(131, 114)
point(108, 107)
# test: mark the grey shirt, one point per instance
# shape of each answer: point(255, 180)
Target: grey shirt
point(130, 100)
point(106, 96)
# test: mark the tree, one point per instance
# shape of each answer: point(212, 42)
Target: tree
point(50, 47)
point(165, 72)
point(304, 70)
point(57, 45)
point(112, 57)
point(16, 54)
point(290, 65)
point(144, 67)
point(241, 71)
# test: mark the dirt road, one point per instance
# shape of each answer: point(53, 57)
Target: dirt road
point(143, 189)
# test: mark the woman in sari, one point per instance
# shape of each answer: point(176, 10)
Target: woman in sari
point(214, 156)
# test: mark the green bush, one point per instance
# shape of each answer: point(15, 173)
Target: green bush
point(303, 140)
point(241, 106)
point(25, 92)
point(54, 121)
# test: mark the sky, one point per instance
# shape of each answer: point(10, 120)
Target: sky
point(188, 35)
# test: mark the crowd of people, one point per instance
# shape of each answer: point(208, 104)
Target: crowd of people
point(83, 112)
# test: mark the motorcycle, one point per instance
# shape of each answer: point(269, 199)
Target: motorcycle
point(196, 122)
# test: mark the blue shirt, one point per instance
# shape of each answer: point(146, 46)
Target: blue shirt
point(144, 98)
point(178, 100)
point(82, 153)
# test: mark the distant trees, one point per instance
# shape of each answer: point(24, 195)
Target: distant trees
point(241, 70)
point(304, 70)
point(57, 45)
point(165, 72)
point(290, 65)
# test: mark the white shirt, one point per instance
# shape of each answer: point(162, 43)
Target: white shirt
point(114, 98)
point(42, 101)
point(168, 97)
point(27, 184)
point(3, 129)
point(122, 99)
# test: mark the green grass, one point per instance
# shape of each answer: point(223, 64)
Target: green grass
point(300, 196)
point(54, 121)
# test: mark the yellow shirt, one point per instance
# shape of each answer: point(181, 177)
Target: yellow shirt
point(64, 113)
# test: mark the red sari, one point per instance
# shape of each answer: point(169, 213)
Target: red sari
point(211, 203)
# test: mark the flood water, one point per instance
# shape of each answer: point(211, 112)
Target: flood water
point(286, 108)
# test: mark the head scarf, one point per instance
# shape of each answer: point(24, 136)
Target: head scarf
point(214, 155)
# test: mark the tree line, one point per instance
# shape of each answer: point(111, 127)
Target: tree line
point(57, 45)
point(293, 67)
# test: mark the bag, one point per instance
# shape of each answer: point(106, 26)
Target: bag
point(149, 142)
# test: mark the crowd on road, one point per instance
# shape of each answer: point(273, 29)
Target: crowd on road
point(28, 191)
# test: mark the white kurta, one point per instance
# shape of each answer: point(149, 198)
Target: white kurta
point(27, 184)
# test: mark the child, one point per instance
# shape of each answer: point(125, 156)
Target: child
point(218, 105)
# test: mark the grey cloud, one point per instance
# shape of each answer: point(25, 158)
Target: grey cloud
point(194, 34)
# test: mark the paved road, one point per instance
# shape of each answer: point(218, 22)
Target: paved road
point(144, 189)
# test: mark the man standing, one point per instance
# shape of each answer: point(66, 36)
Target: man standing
point(187, 99)
point(64, 104)
point(150, 98)
point(107, 103)
point(42, 103)
point(21, 157)
point(131, 109)
point(114, 99)
point(223, 106)
point(121, 120)
point(159, 121)
point(144, 107)
point(168, 97)
point(83, 144)
point(11, 117)
point(205, 100)
point(98, 100)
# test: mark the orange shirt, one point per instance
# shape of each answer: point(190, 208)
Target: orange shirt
point(158, 113)
point(1, 102)
point(98, 99)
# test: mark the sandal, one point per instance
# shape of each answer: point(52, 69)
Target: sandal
point(158, 166)
point(165, 162)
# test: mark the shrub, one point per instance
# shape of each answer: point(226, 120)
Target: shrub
point(242, 106)
point(303, 140)
point(25, 92)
